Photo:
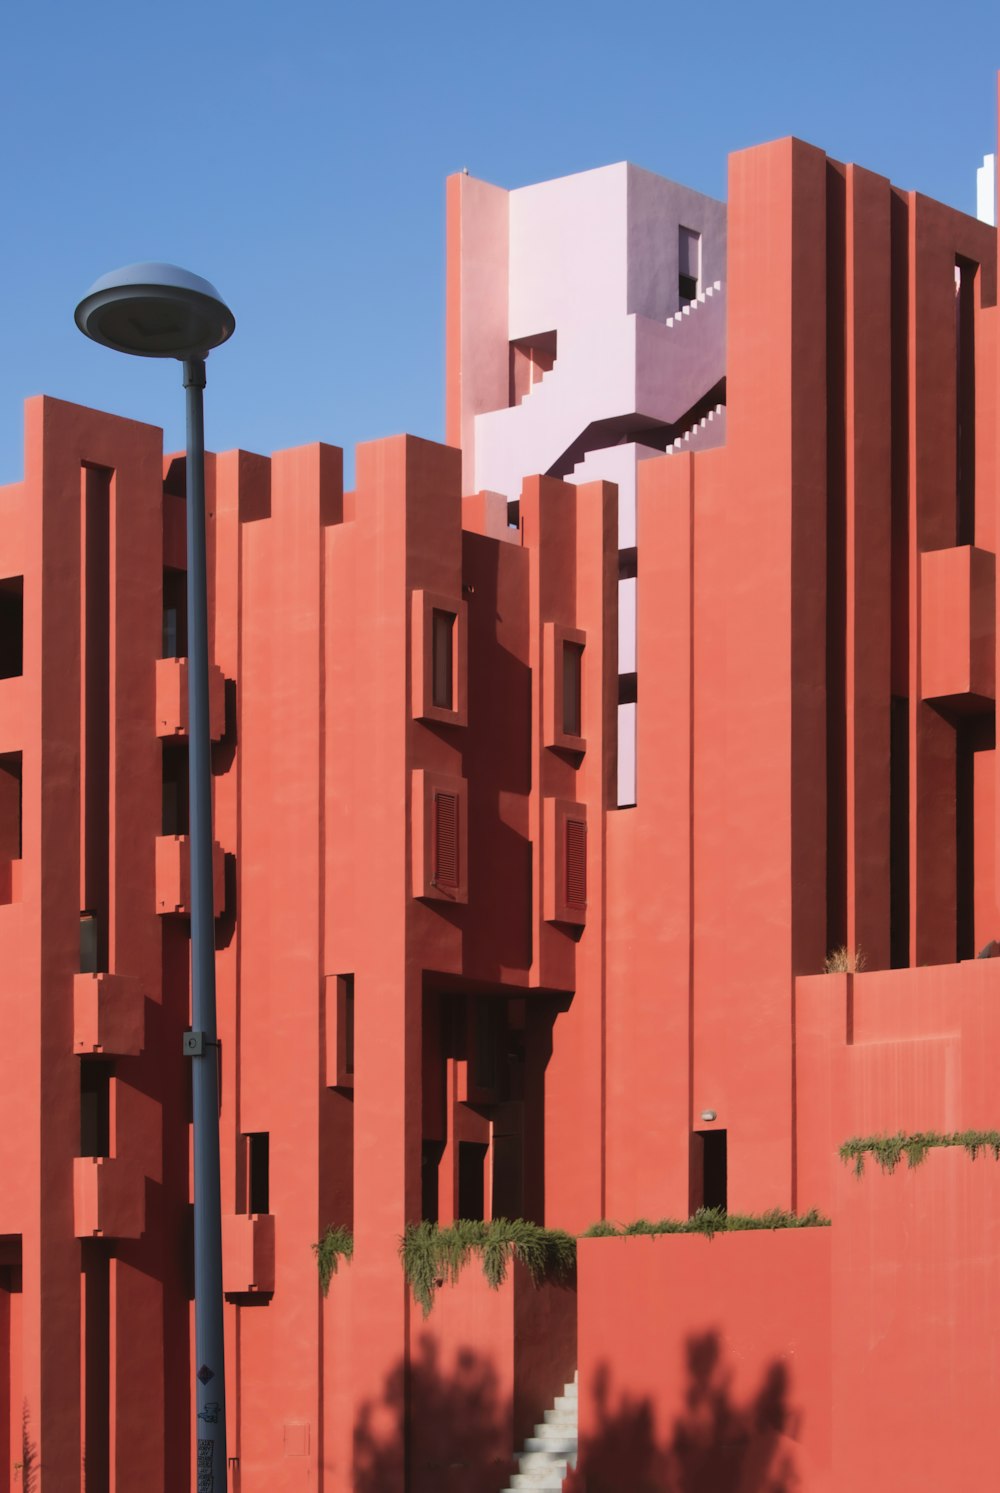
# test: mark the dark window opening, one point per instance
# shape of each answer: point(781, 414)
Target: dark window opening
point(965, 393)
point(572, 723)
point(175, 788)
point(486, 1037)
point(430, 1163)
point(471, 1179)
point(90, 943)
point(174, 613)
point(10, 806)
point(258, 1172)
point(709, 1170)
point(95, 1107)
point(443, 643)
point(628, 689)
point(899, 832)
point(11, 627)
point(628, 563)
point(345, 992)
point(688, 265)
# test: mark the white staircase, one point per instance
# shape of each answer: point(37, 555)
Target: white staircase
point(548, 1455)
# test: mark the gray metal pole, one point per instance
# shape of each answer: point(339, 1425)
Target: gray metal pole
point(202, 1041)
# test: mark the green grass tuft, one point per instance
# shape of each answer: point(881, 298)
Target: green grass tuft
point(888, 1150)
point(709, 1221)
point(431, 1255)
point(336, 1244)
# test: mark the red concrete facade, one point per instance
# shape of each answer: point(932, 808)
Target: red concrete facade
point(454, 977)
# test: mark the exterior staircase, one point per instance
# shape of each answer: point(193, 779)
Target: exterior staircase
point(548, 1455)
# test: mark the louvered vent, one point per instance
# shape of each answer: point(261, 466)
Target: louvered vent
point(446, 868)
point(576, 864)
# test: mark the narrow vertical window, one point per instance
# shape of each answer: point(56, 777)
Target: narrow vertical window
point(576, 865)
point(10, 806)
point(258, 1172)
point(95, 1107)
point(11, 627)
point(688, 265)
point(445, 860)
point(345, 1002)
point(443, 640)
point(572, 682)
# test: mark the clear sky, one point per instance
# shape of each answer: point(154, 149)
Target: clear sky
point(295, 153)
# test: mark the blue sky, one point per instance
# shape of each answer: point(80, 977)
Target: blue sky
point(296, 154)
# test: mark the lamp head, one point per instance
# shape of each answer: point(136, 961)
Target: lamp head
point(155, 311)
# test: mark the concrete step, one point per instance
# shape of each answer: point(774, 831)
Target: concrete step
point(545, 1479)
point(558, 1442)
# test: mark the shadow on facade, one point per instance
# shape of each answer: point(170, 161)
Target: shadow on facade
point(459, 1423)
point(716, 1445)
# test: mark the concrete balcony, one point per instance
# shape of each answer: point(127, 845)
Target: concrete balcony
point(247, 1253)
point(173, 876)
point(172, 699)
point(109, 1198)
point(109, 1015)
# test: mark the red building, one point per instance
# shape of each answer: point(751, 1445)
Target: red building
point(464, 967)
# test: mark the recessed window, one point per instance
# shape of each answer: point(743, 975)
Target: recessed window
point(471, 1179)
point(10, 806)
point(174, 613)
point(175, 788)
point(11, 627)
point(95, 1107)
point(345, 994)
point(688, 265)
point(443, 646)
point(572, 722)
point(258, 1172)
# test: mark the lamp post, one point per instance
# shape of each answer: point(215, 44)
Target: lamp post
point(160, 311)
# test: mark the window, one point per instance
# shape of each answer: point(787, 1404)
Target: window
point(95, 1107)
point(345, 1002)
point(688, 265)
point(175, 788)
point(471, 1179)
point(174, 613)
point(10, 806)
point(571, 692)
point(11, 627)
point(442, 666)
point(445, 844)
point(258, 1172)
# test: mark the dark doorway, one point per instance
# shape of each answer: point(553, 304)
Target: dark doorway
point(708, 1170)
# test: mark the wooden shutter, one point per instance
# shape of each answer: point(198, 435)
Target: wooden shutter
point(445, 845)
point(576, 864)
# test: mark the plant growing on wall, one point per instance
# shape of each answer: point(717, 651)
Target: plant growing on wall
point(844, 961)
point(710, 1221)
point(431, 1255)
point(889, 1150)
point(336, 1244)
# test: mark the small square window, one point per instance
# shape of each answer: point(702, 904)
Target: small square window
point(687, 289)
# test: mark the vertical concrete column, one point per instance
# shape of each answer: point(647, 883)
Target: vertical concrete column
point(772, 860)
point(931, 419)
point(650, 899)
point(868, 555)
point(282, 854)
point(573, 535)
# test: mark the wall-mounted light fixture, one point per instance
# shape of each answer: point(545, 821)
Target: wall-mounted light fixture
point(709, 1114)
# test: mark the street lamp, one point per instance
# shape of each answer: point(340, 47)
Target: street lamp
point(160, 311)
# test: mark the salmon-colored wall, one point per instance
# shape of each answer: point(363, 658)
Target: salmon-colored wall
point(816, 678)
point(705, 1364)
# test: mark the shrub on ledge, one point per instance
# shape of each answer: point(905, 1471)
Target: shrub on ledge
point(889, 1150)
point(709, 1221)
point(432, 1255)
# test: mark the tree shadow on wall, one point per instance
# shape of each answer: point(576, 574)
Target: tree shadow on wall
point(459, 1428)
point(716, 1445)
point(26, 1471)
